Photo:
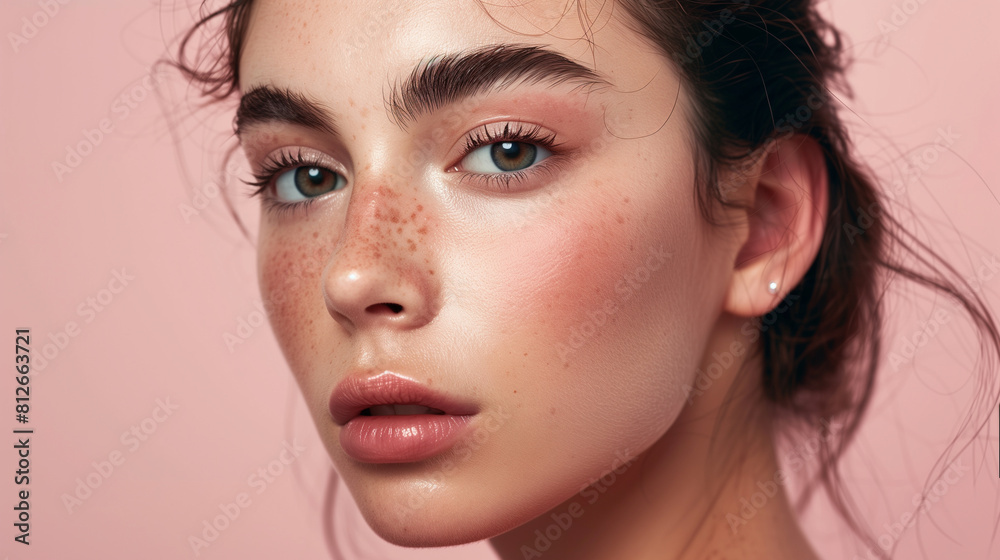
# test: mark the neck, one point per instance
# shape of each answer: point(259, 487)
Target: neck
point(707, 488)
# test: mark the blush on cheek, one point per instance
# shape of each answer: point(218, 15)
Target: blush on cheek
point(562, 274)
point(289, 270)
point(590, 294)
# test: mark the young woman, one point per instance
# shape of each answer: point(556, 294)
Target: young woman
point(563, 274)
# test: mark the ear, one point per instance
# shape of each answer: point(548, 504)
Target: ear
point(786, 221)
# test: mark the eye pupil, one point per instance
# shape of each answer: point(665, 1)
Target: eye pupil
point(513, 156)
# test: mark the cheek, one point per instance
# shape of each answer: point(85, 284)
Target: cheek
point(290, 266)
point(602, 306)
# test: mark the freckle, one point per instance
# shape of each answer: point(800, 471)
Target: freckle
point(620, 218)
point(552, 411)
point(405, 222)
point(422, 230)
point(413, 216)
point(395, 219)
point(399, 230)
point(625, 200)
point(420, 208)
point(525, 353)
point(431, 272)
point(315, 234)
point(515, 390)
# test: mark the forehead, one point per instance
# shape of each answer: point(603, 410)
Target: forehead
point(332, 48)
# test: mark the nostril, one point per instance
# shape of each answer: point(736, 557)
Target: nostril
point(385, 308)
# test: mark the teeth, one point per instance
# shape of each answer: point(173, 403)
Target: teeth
point(401, 410)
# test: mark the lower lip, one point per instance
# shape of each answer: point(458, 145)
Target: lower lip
point(401, 438)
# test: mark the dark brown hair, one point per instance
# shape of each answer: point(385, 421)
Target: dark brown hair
point(758, 71)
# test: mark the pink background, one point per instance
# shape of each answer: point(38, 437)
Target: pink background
point(161, 338)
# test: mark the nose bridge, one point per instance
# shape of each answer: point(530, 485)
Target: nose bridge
point(380, 224)
point(382, 269)
point(366, 233)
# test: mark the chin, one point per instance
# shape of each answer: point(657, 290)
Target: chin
point(431, 528)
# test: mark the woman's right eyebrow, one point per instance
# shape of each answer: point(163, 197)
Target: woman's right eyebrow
point(433, 84)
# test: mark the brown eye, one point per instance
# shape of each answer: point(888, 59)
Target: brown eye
point(513, 156)
point(504, 157)
point(307, 182)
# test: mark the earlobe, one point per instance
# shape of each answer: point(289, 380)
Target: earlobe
point(786, 222)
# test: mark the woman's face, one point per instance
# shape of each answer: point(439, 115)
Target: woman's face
point(514, 229)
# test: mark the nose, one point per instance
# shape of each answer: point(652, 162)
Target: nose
point(381, 274)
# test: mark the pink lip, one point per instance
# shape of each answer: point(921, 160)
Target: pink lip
point(396, 438)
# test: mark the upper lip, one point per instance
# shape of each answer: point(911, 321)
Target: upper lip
point(356, 393)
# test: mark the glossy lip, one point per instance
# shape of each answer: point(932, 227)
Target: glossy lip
point(396, 438)
point(356, 393)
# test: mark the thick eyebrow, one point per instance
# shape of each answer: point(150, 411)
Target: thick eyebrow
point(265, 104)
point(448, 79)
point(435, 83)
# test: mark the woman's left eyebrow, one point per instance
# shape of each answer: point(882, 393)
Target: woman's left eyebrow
point(435, 83)
point(449, 79)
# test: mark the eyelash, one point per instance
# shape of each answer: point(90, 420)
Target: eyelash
point(276, 165)
point(483, 136)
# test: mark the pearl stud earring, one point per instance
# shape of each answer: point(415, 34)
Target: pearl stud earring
point(772, 288)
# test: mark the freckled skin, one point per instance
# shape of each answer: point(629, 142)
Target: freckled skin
point(575, 308)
